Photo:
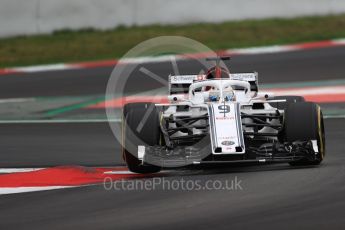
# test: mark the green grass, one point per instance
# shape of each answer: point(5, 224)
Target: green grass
point(85, 45)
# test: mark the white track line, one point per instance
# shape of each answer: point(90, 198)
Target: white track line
point(16, 100)
point(18, 170)
point(305, 91)
point(119, 172)
point(334, 117)
point(4, 191)
point(262, 50)
point(339, 41)
point(42, 68)
point(57, 121)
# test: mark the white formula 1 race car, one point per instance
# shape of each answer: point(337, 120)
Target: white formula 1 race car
point(220, 117)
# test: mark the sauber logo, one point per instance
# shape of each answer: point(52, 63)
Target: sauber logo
point(227, 143)
point(225, 118)
point(227, 138)
point(182, 79)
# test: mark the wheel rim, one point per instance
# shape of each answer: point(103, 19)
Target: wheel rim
point(321, 134)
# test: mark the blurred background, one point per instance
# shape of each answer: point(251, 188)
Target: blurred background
point(53, 31)
point(20, 17)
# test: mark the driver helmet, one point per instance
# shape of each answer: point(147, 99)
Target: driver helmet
point(214, 94)
point(229, 94)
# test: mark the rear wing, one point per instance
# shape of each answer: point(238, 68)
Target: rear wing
point(180, 84)
point(251, 78)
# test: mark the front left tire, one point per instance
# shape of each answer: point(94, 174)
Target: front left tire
point(304, 122)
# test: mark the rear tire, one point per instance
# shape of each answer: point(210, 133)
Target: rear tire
point(304, 122)
point(140, 126)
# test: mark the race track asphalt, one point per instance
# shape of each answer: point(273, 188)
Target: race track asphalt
point(272, 196)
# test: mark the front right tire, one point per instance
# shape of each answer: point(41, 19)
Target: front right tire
point(140, 126)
